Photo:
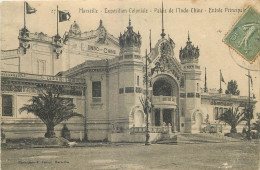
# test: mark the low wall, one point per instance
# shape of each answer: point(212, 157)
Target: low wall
point(35, 128)
point(138, 137)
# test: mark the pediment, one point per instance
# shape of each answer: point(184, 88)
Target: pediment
point(161, 59)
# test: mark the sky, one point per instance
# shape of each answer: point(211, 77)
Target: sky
point(206, 29)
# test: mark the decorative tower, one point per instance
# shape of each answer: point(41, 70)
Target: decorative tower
point(130, 79)
point(192, 115)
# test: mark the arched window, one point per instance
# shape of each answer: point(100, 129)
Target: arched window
point(162, 87)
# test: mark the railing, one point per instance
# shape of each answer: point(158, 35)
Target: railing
point(41, 77)
point(152, 129)
point(164, 99)
point(224, 96)
point(212, 128)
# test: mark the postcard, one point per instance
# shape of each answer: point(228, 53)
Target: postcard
point(130, 84)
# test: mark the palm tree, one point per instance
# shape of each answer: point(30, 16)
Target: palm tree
point(233, 118)
point(50, 108)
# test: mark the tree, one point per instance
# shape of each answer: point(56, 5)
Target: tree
point(233, 118)
point(232, 88)
point(256, 125)
point(51, 108)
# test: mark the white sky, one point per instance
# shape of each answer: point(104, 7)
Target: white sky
point(206, 30)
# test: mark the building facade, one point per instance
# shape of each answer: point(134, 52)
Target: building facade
point(105, 77)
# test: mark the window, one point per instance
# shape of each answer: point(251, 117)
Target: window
point(41, 67)
point(96, 89)
point(182, 95)
point(7, 105)
point(137, 81)
point(129, 90)
point(121, 90)
point(216, 113)
point(220, 111)
point(190, 95)
point(197, 87)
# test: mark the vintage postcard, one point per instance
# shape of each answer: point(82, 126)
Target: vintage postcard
point(129, 84)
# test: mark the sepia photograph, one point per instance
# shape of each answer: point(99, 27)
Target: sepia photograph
point(118, 85)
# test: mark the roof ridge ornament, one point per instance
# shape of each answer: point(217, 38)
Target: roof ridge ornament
point(74, 29)
point(190, 53)
point(130, 38)
point(130, 23)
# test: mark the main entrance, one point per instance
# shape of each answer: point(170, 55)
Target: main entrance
point(167, 116)
point(162, 116)
point(164, 99)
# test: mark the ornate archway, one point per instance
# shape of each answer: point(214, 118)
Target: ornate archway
point(137, 117)
point(196, 121)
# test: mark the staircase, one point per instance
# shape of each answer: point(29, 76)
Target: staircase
point(204, 138)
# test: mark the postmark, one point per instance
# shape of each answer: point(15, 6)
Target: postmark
point(244, 36)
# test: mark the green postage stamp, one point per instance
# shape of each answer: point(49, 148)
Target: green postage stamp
point(244, 36)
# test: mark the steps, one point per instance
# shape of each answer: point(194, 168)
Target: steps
point(203, 138)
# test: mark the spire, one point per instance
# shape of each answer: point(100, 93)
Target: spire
point(162, 34)
point(129, 26)
point(188, 35)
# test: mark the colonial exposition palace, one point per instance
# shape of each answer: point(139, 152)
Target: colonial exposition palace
point(104, 77)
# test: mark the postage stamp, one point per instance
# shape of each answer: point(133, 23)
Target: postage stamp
point(244, 36)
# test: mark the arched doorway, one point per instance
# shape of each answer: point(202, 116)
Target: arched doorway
point(139, 118)
point(165, 95)
point(197, 120)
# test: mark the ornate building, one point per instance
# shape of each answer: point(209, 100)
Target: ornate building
point(104, 77)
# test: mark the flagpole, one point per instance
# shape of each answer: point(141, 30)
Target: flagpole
point(220, 89)
point(150, 41)
point(57, 21)
point(146, 102)
point(24, 5)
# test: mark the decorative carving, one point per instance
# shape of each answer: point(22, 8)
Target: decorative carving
point(74, 29)
point(24, 32)
point(102, 33)
point(58, 51)
point(189, 53)
point(130, 38)
point(42, 36)
point(26, 45)
point(24, 37)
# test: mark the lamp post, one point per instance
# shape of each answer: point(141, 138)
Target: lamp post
point(249, 114)
point(147, 132)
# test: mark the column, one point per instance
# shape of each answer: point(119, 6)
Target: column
point(173, 119)
point(153, 117)
point(176, 120)
point(161, 116)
